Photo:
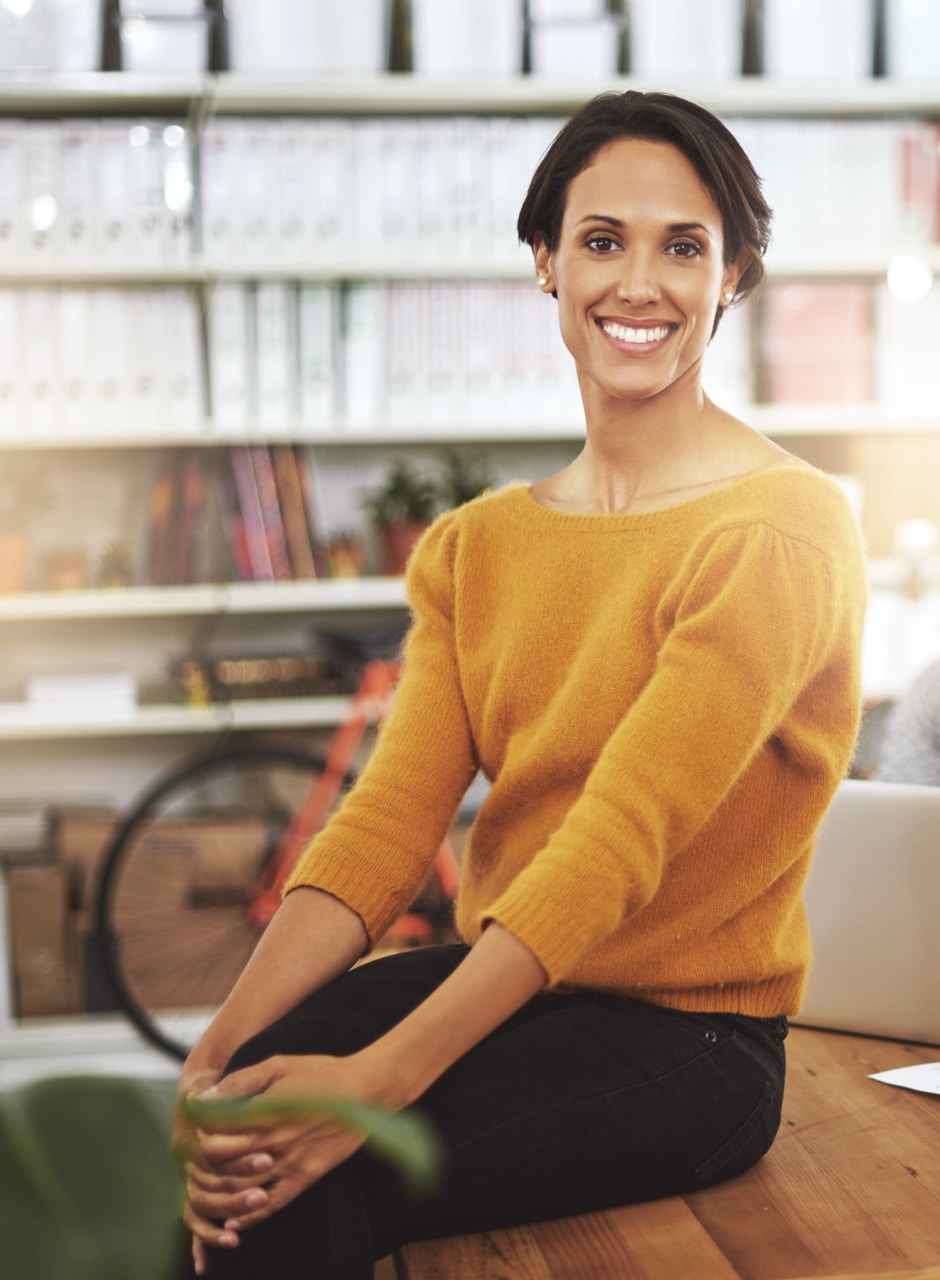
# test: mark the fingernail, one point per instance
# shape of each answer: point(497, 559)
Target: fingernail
point(262, 1163)
point(233, 1224)
point(228, 1238)
point(255, 1199)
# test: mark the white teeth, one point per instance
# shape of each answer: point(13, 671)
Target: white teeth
point(639, 336)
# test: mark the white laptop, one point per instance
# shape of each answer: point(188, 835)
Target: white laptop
point(873, 901)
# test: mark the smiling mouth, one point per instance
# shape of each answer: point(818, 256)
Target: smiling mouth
point(639, 337)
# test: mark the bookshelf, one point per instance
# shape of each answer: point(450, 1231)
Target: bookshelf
point(199, 101)
point(148, 627)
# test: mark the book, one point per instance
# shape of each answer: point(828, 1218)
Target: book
point(686, 38)
point(293, 512)
point(191, 496)
point(160, 531)
point(249, 507)
point(233, 524)
point(305, 476)
point(817, 342)
point(269, 502)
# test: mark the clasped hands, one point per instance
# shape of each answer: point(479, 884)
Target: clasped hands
point(239, 1172)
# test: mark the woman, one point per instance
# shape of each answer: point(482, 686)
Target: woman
point(653, 656)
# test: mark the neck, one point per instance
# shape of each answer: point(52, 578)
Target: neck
point(643, 448)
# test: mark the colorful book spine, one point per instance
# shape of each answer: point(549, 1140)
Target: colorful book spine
point(271, 518)
point(249, 505)
point(293, 512)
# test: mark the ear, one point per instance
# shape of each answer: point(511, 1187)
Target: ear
point(732, 275)
point(544, 268)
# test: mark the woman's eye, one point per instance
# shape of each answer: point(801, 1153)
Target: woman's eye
point(602, 243)
point(685, 249)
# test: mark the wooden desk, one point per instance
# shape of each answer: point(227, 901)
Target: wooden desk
point(851, 1188)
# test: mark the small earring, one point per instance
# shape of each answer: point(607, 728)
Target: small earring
point(543, 280)
point(729, 298)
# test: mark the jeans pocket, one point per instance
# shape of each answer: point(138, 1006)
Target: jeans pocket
point(747, 1144)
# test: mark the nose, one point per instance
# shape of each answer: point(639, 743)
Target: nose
point(638, 282)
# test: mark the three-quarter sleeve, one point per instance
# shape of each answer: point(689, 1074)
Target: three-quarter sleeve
point(376, 850)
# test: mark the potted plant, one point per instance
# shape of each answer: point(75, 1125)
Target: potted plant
point(399, 511)
point(466, 475)
point(91, 1190)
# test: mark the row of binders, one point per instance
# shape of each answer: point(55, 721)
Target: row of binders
point(314, 359)
point(827, 342)
point(375, 191)
point(96, 361)
point(264, 498)
point(110, 192)
point(720, 39)
point(331, 194)
point(404, 354)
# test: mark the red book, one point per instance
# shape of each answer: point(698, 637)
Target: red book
point(190, 499)
point(294, 512)
point(271, 513)
point(249, 506)
point(232, 518)
point(817, 341)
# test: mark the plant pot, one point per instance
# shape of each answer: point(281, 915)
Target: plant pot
point(14, 562)
point(346, 557)
point(397, 543)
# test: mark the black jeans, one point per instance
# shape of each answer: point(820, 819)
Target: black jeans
point(576, 1103)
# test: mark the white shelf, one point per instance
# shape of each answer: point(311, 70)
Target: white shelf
point(236, 93)
point(101, 92)
point(872, 265)
point(203, 599)
point(198, 272)
point(778, 420)
point(148, 721)
point(782, 420)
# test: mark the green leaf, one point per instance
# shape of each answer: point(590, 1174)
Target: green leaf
point(104, 1176)
point(40, 1232)
point(404, 1139)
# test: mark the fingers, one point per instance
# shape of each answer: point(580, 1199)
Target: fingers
point(252, 1168)
point(205, 1233)
point(245, 1083)
point(218, 1204)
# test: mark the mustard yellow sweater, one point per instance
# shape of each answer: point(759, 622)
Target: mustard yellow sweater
point(664, 704)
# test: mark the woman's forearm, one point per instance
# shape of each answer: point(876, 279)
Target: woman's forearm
point(312, 938)
point(497, 977)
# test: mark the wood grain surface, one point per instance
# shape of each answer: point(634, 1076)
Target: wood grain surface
point(849, 1191)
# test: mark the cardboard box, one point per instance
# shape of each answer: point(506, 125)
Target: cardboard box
point(77, 839)
point(187, 861)
point(44, 955)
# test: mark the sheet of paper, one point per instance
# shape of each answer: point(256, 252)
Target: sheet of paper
point(925, 1077)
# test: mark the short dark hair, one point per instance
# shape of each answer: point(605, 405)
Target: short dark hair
point(710, 147)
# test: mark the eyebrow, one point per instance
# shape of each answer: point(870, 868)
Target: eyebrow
point(675, 228)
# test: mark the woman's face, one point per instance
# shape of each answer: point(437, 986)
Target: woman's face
point(639, 271)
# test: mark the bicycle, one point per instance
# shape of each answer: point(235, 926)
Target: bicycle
point(194, 872)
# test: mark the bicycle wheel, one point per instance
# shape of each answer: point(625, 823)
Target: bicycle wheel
point(172, 905)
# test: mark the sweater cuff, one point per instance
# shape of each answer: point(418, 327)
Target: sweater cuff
point(372, 897)
point(558, 938)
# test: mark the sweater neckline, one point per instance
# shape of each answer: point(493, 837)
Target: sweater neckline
point(677, 511)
